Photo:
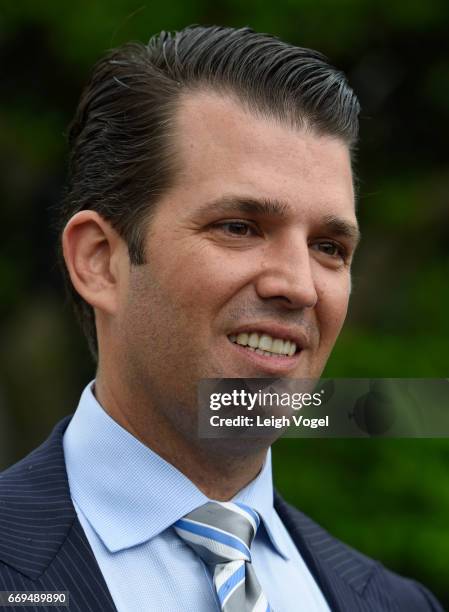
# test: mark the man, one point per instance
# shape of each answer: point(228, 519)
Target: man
point(209, 212)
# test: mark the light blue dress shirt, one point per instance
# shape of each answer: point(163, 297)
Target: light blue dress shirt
point(127, 498)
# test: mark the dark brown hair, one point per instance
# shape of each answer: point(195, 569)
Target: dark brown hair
point(121, 139)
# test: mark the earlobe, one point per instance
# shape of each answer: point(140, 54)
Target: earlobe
point(88, 243)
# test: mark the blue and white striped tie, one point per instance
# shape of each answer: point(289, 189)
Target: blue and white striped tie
point(221, 533)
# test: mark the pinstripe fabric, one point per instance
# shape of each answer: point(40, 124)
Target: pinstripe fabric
point(349, 580)
point(42, 544)
point(43, 547)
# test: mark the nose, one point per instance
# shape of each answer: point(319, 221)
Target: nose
point(287, 275)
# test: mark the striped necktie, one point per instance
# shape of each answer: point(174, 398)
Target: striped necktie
point(221, 533)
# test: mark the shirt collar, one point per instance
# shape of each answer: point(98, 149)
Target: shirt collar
point(258, 494)
point(133, 494)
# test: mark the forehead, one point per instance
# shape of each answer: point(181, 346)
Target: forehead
point(225, 148)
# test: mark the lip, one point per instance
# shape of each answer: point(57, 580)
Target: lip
point(280, 365)
point(275, 330)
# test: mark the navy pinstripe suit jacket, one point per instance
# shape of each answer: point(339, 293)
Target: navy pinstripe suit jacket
point(43, 547)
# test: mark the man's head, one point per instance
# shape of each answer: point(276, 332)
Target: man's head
point(123, 146)
point(213, 172)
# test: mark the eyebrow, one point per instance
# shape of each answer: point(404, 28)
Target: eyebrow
point(280, 210)
point(233, 204)
point(341, 227)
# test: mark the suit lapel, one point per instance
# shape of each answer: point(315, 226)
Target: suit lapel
point(341, 572)
point(40, 535)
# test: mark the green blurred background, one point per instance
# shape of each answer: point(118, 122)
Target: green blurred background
point(388, 498)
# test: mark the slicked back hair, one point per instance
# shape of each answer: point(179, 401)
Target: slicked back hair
point(122, 140)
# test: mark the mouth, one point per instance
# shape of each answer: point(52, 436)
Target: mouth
point(271, 354)
point(264, 344)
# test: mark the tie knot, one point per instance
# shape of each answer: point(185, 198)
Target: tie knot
point(220, 531)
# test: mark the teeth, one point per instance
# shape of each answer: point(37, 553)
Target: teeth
point(277, 346)
point(253, 340)
point(242, 339)
point(264, 344)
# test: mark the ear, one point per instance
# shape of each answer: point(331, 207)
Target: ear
point(96, 258)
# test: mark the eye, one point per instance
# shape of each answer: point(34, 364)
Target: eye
point(236, 228)
point(333, 249)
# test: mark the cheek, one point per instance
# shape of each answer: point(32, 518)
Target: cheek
point(203, 277)
point(332, 307)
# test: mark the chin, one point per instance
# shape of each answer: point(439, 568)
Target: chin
point(236, 446)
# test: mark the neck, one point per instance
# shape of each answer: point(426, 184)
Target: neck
point(219, 477)
point(219, 468)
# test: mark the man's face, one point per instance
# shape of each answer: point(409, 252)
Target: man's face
point(254, 239)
